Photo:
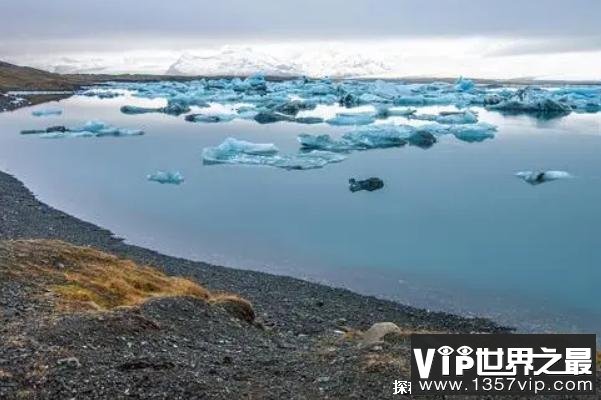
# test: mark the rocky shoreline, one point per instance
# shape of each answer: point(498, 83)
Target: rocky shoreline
point(303, 345)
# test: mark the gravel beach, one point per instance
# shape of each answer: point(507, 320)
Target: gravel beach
point(295, 350)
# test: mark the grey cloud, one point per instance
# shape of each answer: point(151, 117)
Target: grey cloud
point(314, 19)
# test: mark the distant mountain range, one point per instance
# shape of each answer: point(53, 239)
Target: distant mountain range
point(243, 61)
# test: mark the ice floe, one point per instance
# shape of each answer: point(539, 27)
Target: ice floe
point(234, 151)
point(538, 177)
point(44, 112)
point(532, 100)
point(92, 128)
point(270, 101)
point(448, 117)
point(385, 135)
point(352, 119)
point(465, 132)
point(174, 178)
point(210, 118)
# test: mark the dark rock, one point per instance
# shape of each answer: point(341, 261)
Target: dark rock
point(369, 184)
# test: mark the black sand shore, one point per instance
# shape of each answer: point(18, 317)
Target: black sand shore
point(295, 350)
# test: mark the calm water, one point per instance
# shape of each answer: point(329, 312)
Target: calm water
point(453, 229)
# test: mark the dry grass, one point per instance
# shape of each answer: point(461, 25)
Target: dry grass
point(599, 360)
point(86, 278)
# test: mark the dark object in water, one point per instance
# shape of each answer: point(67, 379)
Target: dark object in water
point(369, 184)
point(268, 117)
point(59, 128)
point(308, 120)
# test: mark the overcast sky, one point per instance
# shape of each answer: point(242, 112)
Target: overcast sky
point(62, 26)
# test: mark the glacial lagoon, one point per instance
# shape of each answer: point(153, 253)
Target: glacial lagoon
point(453, 228)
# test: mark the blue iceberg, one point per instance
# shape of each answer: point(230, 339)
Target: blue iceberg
point(538, 177)
point(467, 132)
point(173, 178)
point(44, 112)
point(93, 128)
point(234, 151)
point(371, 137)
point(352, 119)
point(464, 85)
point(210, 118)
point(449, 117)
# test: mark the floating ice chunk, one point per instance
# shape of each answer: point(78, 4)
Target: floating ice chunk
point(373, 137)
point(422, 139)
point(384, 111)
point(269, 117)
point(93, 128)
point(44, 112)
point(58, 128)
point(210, 117)
point(132, 110)
point(352, 119)
point(174, 178)
point(101, 94)
point(231, 148)
point(531, 100)
point(467, 132)
point(378, 136)
point(307, 160)
point(233, 151)
point(463, 85)
point(323, 142)
point(449, 117)
point(369, 184)
point(293, 107)
point(538, 177)
point(308, 120)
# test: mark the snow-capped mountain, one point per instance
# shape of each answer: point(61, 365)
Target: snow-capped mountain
point(244, 61)
point(231, 61)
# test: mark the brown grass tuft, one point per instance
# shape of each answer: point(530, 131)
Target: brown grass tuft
point(88, 279)
point(235, 305)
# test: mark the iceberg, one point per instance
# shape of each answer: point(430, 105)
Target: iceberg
point(233, 148)
point(352, 119)
point(93, 128)
point(531, 100)
point(369, 184)
point(234, 151)
point(101, 94)
point(58, 128)
point(293, 107)
point(273, 101)
point(174, 178)
point(269, 117)
point(449, 117)
point(210, 117)
point(308, 120)
point(538, 177)
point(422, 139)
point(372, 137)
point(464, 85)
point(44, 112)
point(383, 112)
point(467, 132)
